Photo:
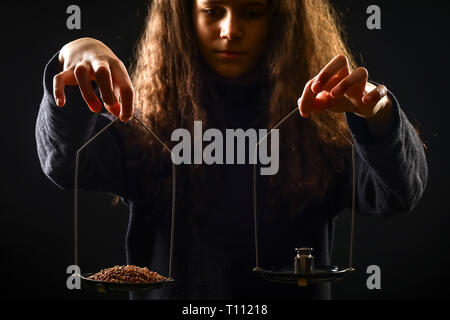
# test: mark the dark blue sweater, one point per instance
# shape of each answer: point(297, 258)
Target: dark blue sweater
point(216, 261)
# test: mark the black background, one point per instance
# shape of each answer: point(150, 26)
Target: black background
point(409, 54)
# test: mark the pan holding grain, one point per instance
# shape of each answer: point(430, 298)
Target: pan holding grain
point(127, 274)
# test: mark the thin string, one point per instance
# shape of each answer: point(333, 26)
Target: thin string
point(254, 185)
point(77, 162)
point(172, 232)
point(255, 197)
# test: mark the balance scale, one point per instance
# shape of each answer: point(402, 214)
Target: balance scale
point(303, 271)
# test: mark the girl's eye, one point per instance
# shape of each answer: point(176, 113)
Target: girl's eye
point(211, 12)
point(253, 14)
point(215, 12)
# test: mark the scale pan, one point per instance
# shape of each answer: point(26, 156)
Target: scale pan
point(103, 286)
point(319, 274)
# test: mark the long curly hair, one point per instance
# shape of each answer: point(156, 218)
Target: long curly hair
point(304, 36)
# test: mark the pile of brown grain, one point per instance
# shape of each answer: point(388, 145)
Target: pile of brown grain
point(127, 274)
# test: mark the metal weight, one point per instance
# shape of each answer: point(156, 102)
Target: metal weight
point(304, 261)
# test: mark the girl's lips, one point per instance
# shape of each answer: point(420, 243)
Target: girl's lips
point(229, 54)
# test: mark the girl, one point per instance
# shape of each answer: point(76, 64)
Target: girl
point(230, 64)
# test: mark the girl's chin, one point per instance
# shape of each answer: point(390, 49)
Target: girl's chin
point(234, 76)
point(231, 75)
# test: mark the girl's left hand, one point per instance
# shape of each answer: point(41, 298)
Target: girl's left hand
point(337, 89)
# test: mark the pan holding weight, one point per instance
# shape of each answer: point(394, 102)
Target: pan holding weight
point(319, 274)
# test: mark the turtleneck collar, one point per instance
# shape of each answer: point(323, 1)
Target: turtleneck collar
point(249, 80)
point(229, 103)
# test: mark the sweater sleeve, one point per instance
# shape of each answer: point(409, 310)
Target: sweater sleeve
point(60, 132)
point(391, 175)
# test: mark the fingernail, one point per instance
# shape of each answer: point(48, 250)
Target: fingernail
point(304, 114)
point(98, 107)
point(316, 85)
point(122, 117)
point(116, 109)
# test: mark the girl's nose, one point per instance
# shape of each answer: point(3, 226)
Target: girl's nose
point(230, 27)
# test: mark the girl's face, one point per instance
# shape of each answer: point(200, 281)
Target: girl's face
point(231, 34)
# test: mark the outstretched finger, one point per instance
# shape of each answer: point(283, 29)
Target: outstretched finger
point(122, 80)
point(331, 69)
point(359, 76)
point(82, 74)
point(59, 83)
point(103, 79)
point(336, 79)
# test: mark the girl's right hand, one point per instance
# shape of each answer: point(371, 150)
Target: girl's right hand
point(85, 60)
